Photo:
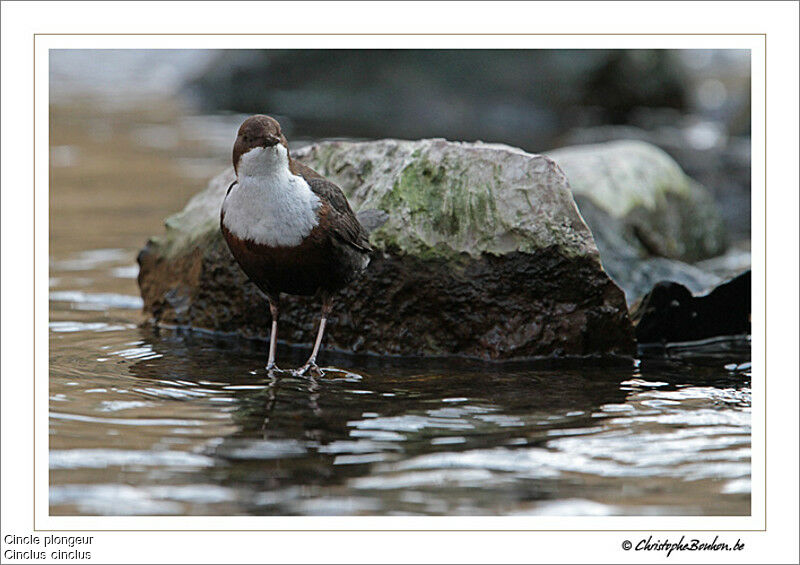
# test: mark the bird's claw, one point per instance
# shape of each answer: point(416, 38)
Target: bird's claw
point(308, 369)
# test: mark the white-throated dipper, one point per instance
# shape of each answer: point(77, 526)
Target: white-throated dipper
point(291, 230)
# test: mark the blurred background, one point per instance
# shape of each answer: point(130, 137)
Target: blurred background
point(694, 104)
point(148, 421)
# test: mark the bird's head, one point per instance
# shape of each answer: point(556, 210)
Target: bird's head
point(260, 146)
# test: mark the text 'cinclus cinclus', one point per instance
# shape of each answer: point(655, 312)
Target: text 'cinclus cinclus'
point(291, 230)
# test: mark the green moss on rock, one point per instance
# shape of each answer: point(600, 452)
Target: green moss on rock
point(446, 198)
point(476, 234)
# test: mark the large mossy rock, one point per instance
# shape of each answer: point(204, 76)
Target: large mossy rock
point(484, 254)
point(649, 219)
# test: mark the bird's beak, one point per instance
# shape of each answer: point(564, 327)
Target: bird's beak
point(271, 140)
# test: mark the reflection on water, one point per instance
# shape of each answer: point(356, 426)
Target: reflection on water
point(148, 422)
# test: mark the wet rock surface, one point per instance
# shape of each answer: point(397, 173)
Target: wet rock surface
point(484, 254)
point(670, 313)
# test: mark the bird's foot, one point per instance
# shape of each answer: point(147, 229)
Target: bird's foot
point(309, 368)
point(273, 368)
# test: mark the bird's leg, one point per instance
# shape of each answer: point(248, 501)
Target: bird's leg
point(274, 303)
point(311, 364)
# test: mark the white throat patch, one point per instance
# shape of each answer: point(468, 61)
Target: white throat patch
point(269, 205)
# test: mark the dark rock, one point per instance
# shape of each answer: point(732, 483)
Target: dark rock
point(483, 254)
point(669, 313)
point(629, 80)
point(628, 264)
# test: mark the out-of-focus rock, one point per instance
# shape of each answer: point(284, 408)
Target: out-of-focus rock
point(703, 150)
point(648, 218)
point(734, 262)
point(628, 80)
point(663, 211)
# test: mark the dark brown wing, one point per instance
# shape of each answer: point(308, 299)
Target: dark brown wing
point(304, 171)
point(344, 224)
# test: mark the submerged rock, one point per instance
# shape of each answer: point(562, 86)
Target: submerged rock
point(669, 313)
point(648, 218)
point(483, 254)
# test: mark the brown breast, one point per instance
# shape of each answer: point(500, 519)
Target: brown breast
point(301, 269)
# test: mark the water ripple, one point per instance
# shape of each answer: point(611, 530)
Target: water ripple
point(111, 499)
point(438, 478)
point(260, 449)
point(103, 458)
point(410, 423)
point(96, 300)
point(71, 326)
point(91, 259)
point(126, 422)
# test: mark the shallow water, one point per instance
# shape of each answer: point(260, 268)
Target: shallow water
point(162, 422)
